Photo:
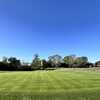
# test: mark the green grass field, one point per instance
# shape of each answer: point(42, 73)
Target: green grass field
point(68, 84)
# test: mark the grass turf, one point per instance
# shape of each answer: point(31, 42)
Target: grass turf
point(67, 84)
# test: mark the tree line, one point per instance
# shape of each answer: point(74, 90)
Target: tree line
point(53, 62)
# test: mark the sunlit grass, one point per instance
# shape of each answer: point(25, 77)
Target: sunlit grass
point(67, 84)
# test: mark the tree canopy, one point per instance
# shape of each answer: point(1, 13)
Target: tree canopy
point(54, 61)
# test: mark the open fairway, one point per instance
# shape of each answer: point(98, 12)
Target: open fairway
point(65, 84)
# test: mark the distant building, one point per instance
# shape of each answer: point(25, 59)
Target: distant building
point(97, 64)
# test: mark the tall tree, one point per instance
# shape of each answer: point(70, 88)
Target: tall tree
point(36, 63)
point(81, 61)
point(44, 64)
point(55, 60)
point(69, 60)
point(4, 59)
point(14, 63)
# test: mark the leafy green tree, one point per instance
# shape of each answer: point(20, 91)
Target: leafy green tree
point(44, 64)
point(4, 64)
point(36, 63)
point(55, 60)
point(14, 62)
point(5, 59)
point(69, 60)
point(81, 61)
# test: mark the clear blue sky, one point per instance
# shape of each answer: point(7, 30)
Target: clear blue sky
point(50, 27)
